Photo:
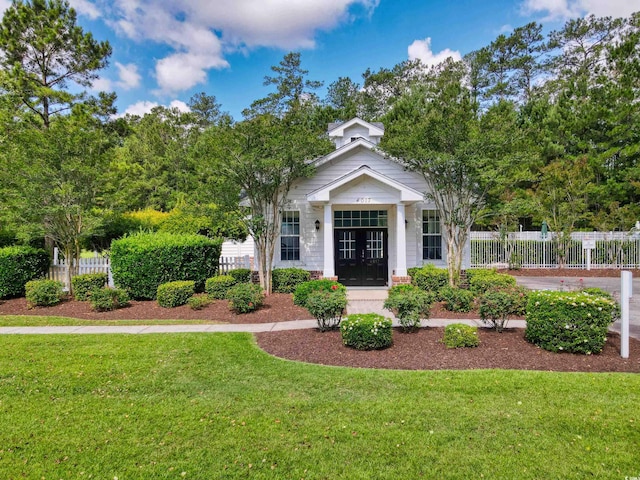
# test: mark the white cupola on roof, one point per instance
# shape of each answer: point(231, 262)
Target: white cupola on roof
point(353, 130)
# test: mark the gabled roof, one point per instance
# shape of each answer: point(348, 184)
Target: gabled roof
point(360, 142)
point(323, 194)
point(337, 129)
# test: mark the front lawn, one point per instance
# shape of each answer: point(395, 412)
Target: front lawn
point(214, 406)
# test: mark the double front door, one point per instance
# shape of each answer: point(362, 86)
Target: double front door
point(361, 256)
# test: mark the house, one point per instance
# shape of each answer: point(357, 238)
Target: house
point(362, 218)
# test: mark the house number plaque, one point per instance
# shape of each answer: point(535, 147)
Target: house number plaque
point(363, 200)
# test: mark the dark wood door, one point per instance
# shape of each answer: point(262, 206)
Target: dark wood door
point(361, 256)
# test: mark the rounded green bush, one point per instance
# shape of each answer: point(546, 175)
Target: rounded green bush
point(410, 304)
point(245, 297)
point(574, 322)
point(457, 299)
point(285, 280)
point(106, 299)
point(43, 293)
point(83, 285)
point(459, 335)
point(483, 280)
point(327, 307)
point(429, 278)
point(217, 287)
point(198, 302)
point(142, 262)
point(367, 331)
point(303, 290)
point(174, 294)
point(241, 275)
point(18, 265)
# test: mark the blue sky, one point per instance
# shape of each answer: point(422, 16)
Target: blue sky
point(164, 51)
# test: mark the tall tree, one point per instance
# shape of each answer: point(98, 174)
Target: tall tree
point(45, 53)
point(436, 129)
point(52, 180)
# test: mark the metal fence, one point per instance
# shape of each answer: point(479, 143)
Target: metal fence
point(529, 250)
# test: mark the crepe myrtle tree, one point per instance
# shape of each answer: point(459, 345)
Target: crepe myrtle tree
point(437, 129)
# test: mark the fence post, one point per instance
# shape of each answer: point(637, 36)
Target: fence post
point(626, 290)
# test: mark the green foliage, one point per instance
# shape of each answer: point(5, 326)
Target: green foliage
point(496, 306)
point(366, 331)
point(245, 297)
point(410, 304)
point(459, 335)
point(457, 299)
point(217, 287)
point(285, 280)
point(18, 265)
point(303, 290)
point(174, 294)
point(83, 285)
point(574, 322)
point(43, 293)
point(241, 275)
point(429, 278)
point(106, 299)
point(483, 280)
point(141, 262)
point(198, 302)
point(327, 307)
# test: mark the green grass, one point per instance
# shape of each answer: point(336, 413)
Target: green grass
point(45, 321)
point(215, 406)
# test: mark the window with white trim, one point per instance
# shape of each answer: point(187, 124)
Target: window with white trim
point(290, 236)
point(431, 235)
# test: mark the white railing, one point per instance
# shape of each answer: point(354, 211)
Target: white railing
point(100, 264)
point(529, 250)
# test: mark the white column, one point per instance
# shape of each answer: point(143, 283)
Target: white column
point(401, 242)
point(327, 227)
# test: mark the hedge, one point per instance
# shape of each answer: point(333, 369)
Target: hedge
point(285, 280)
point(18, 265)
point(142, 262)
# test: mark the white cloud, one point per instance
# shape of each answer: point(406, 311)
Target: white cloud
point(421, 49)
point(102, 84)
point(144, 106)
point(201, 32)
point(129, 76)
point(85, 7)
point(563, 9)
point(4, 4)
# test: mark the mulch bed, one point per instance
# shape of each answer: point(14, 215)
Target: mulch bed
point(277, 307)
point(421, 350)
point(424, 350)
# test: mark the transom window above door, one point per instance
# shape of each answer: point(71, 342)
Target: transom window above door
point(360, 218)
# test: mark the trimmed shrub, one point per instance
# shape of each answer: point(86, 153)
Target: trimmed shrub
point(218, 286)
point(303, 290)
point(520, 297)
point(574, 322)
point(106, 299)
point(482, 280)
point(430, 278)
point(84, 284)
point(245, 297)
point(327, 307)
point(198, 302)
point(241, 275)
point(174, 294)
point(410, 304)
point(285, 280)
point(459, 335)
point(43, 293)
point(457, 299)
point(496, 306)
point(18, 265)
point(366, 331)
point(142, 262)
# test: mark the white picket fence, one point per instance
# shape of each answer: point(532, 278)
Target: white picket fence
point(529, 250)
point(100, 264)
